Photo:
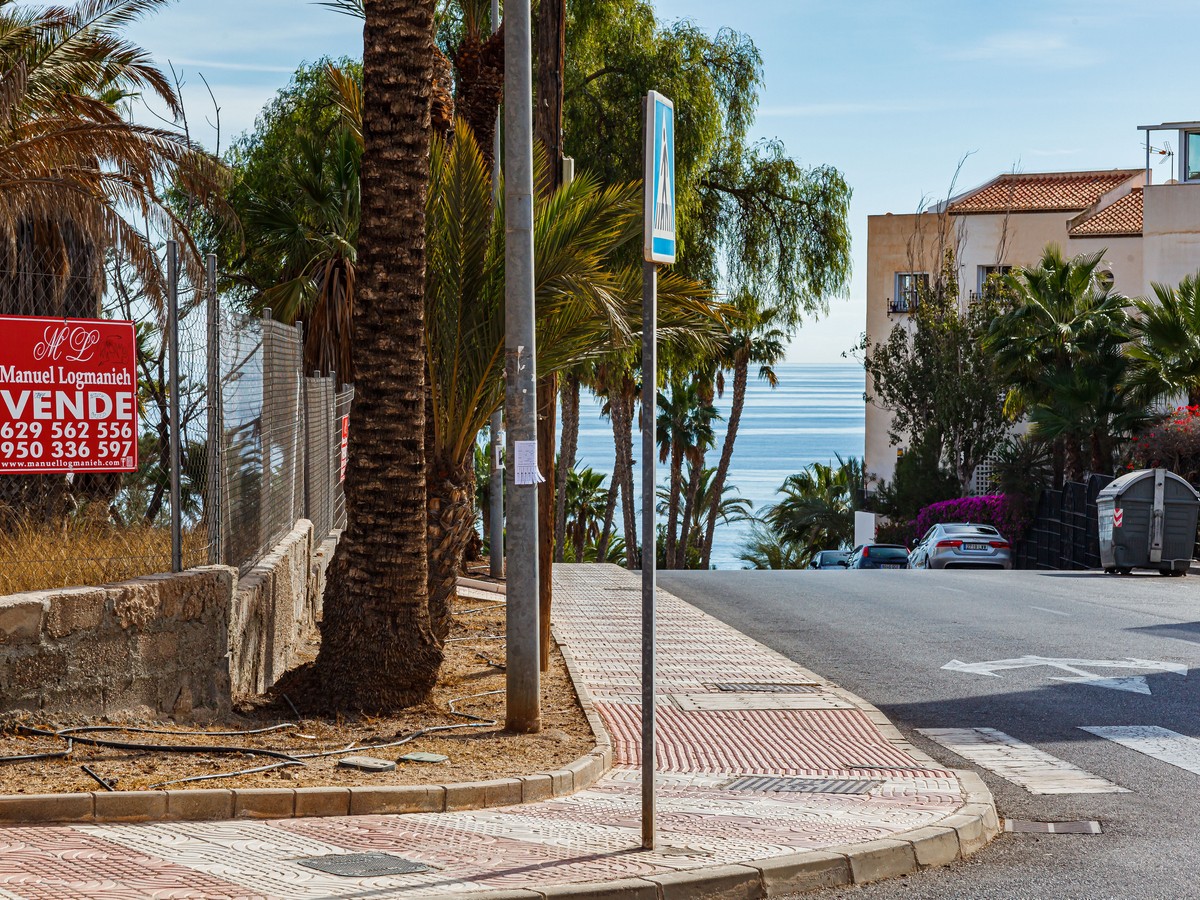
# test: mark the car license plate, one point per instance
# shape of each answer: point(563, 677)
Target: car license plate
point(975, 546)
point(891, 566)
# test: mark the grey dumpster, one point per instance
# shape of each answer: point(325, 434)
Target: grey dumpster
point(1148, 521)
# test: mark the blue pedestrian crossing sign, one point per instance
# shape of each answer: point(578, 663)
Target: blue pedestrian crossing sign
point(660, 179)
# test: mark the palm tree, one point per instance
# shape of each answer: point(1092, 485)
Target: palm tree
point(75, 173)
point(586, 309)
point(1164, 351)
point(378, 648)
point(817, 509)
point(731, 507)
point(1063, 319)
point(766, 549)
point(586, 499)
point(311, 224)
point(684, 424)
point(756, 340)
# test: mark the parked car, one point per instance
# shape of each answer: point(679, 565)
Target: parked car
point(830, 559)
point(961, 545)
point(879, 556)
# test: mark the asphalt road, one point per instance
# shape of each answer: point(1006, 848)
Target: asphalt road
point(887, 635)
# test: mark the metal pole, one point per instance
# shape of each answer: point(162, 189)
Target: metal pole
point(496, 497)
point(496, 482)
point(212, 501)
point(523, 678)
point(649, 548)
point(173, 387)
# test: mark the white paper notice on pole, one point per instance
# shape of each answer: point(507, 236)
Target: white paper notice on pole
point(525, 464)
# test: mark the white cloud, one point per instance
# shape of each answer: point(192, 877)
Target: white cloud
point(1024, 46)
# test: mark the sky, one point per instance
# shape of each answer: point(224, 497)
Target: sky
point(892, 94)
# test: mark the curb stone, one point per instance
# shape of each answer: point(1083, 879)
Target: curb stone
point(296, 803)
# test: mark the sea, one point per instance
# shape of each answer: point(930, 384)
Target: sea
point(814, 414)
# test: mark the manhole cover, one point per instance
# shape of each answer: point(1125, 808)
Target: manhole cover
point(807, 687)
point(364, 865)
point(803, 785)
point(1023, 826)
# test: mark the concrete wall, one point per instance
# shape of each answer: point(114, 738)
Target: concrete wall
point(1170, 234)
point(164, 644)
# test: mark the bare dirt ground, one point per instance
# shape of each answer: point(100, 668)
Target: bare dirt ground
point(470, 679)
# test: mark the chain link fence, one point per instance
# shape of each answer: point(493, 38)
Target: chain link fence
point(259, 443)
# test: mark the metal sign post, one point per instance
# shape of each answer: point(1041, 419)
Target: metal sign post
point(659, 194)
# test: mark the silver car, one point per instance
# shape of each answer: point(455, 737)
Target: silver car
point(961, 545)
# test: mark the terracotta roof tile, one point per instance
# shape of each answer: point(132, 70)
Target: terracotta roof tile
point(1042, 192)
point(1122, 218)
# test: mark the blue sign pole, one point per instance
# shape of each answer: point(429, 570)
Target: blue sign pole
point(659, 197)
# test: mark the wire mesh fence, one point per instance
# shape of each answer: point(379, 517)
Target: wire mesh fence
point(259, 443)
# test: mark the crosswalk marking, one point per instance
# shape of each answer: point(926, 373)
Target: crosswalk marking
point(1036, 771)
point(1161, 743)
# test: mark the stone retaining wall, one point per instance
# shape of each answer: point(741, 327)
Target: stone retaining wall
point(179, 645)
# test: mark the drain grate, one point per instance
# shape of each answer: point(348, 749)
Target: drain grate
point(364, 865)
point(773, 687)
point(803, 785)
point(1023, 826)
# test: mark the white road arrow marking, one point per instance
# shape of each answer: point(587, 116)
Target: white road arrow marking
point(1136, 683)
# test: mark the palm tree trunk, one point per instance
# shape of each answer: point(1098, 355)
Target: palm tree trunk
point(450, 522)
point(689, 506)
point(610, 509)
point(1100, 465)
point(741, 376)
point(566, 461)
point(673, 503)
point(620, 406)
point(378, 649)
point(547, 413)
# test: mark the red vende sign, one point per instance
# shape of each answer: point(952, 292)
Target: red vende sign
point(68, 396)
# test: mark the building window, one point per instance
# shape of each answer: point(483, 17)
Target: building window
point(1191, 157)
point(909, 286)
point(986, 272)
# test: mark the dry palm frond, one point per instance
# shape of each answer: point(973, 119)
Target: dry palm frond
point(69, 160)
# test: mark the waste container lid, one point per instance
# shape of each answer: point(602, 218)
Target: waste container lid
point(1118, 487)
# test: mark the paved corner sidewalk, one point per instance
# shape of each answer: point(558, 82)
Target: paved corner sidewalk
point(713, 837)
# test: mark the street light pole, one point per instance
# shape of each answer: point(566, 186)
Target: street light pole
point(523, 676)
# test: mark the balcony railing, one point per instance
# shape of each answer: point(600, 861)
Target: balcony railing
point(902, 306)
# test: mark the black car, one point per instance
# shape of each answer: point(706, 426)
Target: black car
point(879, 556)
point(830, 559)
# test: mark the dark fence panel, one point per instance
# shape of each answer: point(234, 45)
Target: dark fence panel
point(1064, 533)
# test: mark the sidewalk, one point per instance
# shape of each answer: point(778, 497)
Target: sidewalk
point(715, 839)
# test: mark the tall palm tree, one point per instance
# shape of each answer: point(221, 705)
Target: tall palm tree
point(587, 308)
point(1063, 319)
point(757, 340)
point(1164, 351)
point(684, 425)
point(378, 648)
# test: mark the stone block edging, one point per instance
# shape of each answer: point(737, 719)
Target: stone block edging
point(295, 803)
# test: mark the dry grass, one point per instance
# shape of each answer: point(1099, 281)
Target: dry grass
point(82, 552)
